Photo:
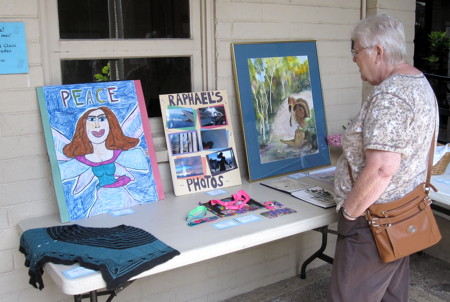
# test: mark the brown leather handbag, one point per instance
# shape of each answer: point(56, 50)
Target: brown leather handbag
point(404, 226)
point(407, 225)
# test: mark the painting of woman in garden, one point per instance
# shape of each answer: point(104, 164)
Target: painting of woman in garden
point(284, 107)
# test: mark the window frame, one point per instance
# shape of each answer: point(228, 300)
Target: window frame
point(198, 47)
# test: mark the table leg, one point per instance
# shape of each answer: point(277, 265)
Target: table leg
point(319, 253)
point(93, 295)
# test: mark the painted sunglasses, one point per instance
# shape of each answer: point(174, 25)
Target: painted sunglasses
point(196, 213)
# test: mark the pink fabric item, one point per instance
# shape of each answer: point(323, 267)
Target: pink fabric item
point(334, 140)
point(240, 199)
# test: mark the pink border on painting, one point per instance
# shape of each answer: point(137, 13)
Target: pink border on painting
point(148, 136)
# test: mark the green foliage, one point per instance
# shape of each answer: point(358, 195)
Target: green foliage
point(438, 52)
point(311, 124)
point(432, 59)
point(438, 39)
point(104, 76)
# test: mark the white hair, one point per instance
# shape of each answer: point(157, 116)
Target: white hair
point(383, 30)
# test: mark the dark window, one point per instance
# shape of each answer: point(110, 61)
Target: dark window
point(128, 19)
point(123, 19)
point(431, 55)
point(157, 75)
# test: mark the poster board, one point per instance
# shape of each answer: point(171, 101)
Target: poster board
point(100, 147)
point(200, 141)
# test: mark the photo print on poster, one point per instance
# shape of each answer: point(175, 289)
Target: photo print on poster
point(189, 166)
point(214, 139)
point(213, 116)
point(184, 142)
point(221, 161)
point(181, 118)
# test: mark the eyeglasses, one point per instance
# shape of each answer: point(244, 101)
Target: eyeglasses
point(356, 52)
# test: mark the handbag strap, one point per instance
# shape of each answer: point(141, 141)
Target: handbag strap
point(430, 161)
point(431, 156)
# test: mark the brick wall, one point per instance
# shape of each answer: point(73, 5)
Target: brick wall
point(26, 189)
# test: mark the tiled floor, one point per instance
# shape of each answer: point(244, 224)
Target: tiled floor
point(430, 282)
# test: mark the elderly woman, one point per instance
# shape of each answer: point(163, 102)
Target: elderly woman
point(385, 154)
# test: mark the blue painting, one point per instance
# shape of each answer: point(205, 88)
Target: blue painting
point(282, 112)
point(100, 148)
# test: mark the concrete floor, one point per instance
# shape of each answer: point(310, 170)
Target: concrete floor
point(430, 282)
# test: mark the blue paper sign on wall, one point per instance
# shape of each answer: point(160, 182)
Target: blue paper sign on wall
point(13, 50)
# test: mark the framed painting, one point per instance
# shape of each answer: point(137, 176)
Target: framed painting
point(280, 95)
point(100, 147)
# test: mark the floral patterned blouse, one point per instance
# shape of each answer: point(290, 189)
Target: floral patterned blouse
point(399, 116)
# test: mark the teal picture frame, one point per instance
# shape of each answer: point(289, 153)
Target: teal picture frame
point(280, 98)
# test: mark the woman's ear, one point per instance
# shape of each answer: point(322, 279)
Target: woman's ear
point(379, 51)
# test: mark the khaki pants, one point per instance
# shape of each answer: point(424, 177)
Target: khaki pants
point(358, 274)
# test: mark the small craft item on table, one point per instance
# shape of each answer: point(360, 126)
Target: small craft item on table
point(198, 216)
point(119, 253)
point(238, 203)
point(276, 209)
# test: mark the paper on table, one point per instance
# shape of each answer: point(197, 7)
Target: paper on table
point(317, 196)
point(439, 152)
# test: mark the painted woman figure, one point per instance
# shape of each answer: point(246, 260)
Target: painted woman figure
point(101, 150)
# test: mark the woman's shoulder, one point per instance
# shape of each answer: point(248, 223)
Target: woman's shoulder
point(407, 79)
point(403, 88)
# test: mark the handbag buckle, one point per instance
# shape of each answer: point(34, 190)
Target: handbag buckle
point(374, 222)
